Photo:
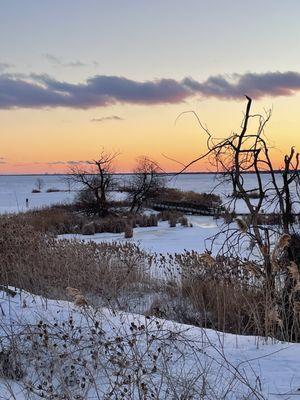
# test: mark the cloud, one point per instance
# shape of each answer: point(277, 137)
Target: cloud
point(108, 118)
point(70, 162)
point(76, 162)
point(56, 162)
point(54, 60)
point(254, 85)
point(4, 66)
point(40, 91)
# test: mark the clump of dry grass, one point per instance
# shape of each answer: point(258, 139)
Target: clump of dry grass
point(128, 233)
point(284, 241)
point(221, 291)
point(173, 222)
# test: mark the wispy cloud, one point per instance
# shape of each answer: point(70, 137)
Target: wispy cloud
point(76, 162)
point(4, 66)
point(108, 118)
point(56, 162)
point(38, 91)
point(55, 60)
point(69, 162)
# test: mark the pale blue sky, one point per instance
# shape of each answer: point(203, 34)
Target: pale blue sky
point(148, 39)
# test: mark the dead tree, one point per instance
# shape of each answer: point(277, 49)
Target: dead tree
point(248, 151)
point(96, 180)
point(146, 183)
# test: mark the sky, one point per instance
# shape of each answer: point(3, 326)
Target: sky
point(79, 76)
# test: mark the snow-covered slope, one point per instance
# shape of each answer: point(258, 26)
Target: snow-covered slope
point(90, 354)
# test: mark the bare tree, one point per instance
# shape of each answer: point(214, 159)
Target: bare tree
point(248, 151)
point(96, 181)
point(39, 184)
point(146, 182)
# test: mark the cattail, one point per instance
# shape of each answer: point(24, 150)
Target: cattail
point(252, 269)
point(80, 300)
point(72, 292)
point(265, 249)
point(294, 271)
point(283, 241)
point(275, 265)
point(208, 259)
point(242, 226)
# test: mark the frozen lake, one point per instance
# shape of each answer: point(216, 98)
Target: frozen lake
point(15, 189)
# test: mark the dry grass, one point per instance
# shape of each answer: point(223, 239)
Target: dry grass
point(56, 220)
point(224, 293)
point(44, 265)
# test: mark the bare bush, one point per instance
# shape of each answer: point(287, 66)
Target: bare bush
point(96, 182)
point(146, 183)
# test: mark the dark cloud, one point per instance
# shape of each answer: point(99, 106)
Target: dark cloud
point(108, 118)
point(39, 91)
point(254, 85)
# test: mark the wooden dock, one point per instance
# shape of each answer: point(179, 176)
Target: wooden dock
point(185, 207)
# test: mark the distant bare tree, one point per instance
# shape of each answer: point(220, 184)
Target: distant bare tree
point(96, 181)
point(39, 183)
point(146, 182)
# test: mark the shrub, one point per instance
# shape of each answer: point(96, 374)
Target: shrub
point(205, 199)
point(252, 195)
point(184, 221)
point(35, 191)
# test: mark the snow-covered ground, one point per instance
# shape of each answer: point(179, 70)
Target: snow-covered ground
point(162, 238)
point(227, 363)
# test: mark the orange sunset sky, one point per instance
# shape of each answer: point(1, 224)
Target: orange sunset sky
point(79, 76)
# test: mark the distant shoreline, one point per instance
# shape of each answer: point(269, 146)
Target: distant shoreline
point(162, 173)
